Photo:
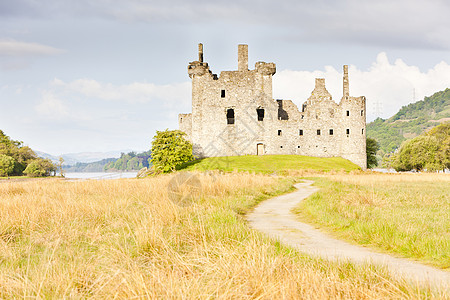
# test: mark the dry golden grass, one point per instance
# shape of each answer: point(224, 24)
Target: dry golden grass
point(126, 239)
point(406, 214)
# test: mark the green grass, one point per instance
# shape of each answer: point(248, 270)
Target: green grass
point(271, 163)
point(406, 214)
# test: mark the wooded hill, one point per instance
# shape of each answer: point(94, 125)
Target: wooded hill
point(411, 121)
point(97, 166)
point(131, 161)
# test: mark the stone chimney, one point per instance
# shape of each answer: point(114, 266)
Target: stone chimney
point(346, 92)
point(320, 92)
point(242, 57)
point(200, 52)
point(320, 84)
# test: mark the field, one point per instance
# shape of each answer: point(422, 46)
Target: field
point(272, 163)
point(404, 214)
point(170, 236)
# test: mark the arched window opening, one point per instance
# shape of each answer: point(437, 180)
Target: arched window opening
point(230, 116)
point(260, 113)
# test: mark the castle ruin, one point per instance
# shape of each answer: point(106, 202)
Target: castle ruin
point(235, 114)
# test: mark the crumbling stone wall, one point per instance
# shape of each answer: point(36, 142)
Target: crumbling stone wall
point(261, 125)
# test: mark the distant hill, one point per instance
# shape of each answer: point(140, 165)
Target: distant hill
point(97, 166)
point(131, 161)
point(112, 161)
point(82, 157)
point(410, 121)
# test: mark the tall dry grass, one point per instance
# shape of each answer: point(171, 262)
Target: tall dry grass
point(407, 214)
point(127, 239)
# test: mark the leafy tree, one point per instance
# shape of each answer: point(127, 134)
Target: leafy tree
point(442, 134)
point(21, 159)
point(170, 149)
point(22, 155)
point(129, 162)
point(6, 165)
point(372, 147)
point(40, 167)
point(134, 164)
point(416, 154)
point(430, 151)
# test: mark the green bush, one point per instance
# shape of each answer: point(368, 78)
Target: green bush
point(40, 167)
point(372, 147)
point(430, 151)
point(6, 165)
point(170, 149)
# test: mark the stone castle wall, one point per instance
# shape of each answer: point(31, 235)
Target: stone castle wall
point(235, 114)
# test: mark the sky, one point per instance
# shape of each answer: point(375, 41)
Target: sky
point(104, 75)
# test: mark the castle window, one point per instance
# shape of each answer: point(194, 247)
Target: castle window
point(260, 113)
point(348, 113)
point(222, 94)
point(318, 131)
point(298, 146)
point(300, 132)
point(331, 113)
point(362, 131)
point(279, 132)
point(362, 112)
point(281, 146)
point(303, 116)
point(230, 116)
point(331, 131)
point(348, 131)
point(282, 113)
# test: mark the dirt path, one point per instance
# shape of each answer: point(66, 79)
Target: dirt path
point(274, 218)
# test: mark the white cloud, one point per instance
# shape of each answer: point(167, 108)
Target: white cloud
point(386, 85)
point(9, 47)
point(51, 106)
point(171, 95)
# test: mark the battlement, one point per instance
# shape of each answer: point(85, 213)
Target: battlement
point(265, 68)
point(200, 68)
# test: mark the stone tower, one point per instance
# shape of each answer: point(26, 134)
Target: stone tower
point(235, 114)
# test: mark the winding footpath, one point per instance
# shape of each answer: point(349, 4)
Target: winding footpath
point(274, 218)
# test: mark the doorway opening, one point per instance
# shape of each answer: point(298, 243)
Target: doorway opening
point(260, 149)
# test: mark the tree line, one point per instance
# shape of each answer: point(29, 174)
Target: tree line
point(17, 160)
point(429, 151)
point(131, 161)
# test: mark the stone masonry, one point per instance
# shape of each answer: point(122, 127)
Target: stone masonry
point(235, 114)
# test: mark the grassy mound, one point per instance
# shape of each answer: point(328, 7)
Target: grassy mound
point(271, 163)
